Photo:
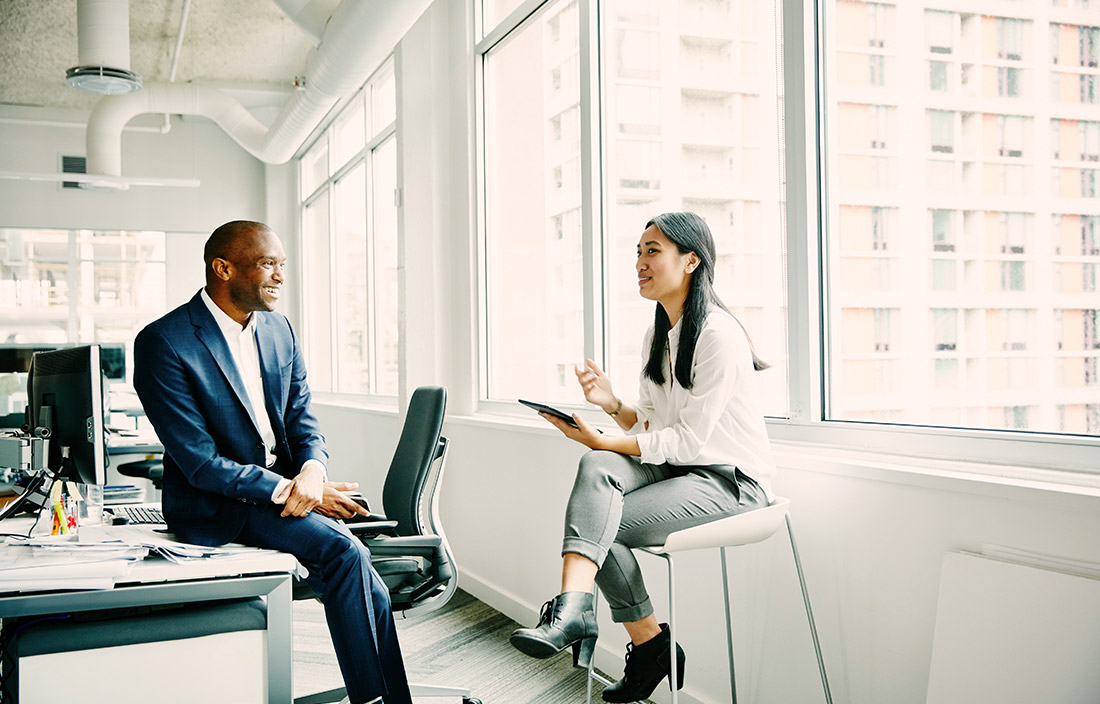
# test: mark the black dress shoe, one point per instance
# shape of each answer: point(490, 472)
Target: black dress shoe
point(566, 620)
point(646, 665)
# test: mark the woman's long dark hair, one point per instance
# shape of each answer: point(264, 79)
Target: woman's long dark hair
point(689, 233)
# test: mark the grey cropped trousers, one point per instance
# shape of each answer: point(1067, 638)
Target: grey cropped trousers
point(618, 503)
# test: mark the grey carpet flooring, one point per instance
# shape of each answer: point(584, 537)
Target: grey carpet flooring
point(463, 644)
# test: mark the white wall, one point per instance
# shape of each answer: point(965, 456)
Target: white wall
point(232, 180)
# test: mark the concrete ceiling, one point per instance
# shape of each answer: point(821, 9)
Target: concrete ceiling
point(225, 41)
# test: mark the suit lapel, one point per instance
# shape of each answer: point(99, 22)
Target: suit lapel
point(269, 369)
point(207, 330)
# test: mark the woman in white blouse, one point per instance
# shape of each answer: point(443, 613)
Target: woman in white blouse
point(695, 450)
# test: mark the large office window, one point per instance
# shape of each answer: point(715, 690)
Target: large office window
point(714, 149)
point(954, 212)
point(349, 245)
point(979, 305)
point(533, 266)
point(688, 121)
point(61, 286)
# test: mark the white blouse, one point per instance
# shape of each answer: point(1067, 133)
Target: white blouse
point(718, 421)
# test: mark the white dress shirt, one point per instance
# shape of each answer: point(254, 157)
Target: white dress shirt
point(246, 356)
point(719, 420)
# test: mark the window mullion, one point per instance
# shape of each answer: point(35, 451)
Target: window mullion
point(803, 197)
point(591, 197)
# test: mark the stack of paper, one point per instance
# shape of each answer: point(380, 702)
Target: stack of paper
point(32, 568)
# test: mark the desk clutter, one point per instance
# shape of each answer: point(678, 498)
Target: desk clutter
point(95, 557)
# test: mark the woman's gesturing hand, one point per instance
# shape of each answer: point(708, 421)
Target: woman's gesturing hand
point(596, 386)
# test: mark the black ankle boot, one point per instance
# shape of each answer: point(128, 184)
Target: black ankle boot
point(567, 620)
point(646, 665)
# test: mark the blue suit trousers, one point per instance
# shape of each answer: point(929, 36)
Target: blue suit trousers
point(357, 602)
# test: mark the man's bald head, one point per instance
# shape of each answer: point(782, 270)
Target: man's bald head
point(244, 268)
point(230, 242)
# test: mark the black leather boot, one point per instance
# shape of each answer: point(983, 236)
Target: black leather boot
point(646, 665)
point(566, 620)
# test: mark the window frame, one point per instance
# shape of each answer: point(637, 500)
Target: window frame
point(805, 34)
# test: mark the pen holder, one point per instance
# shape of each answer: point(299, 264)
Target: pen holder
point(90, 506)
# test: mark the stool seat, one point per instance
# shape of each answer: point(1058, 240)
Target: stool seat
point(742, 529)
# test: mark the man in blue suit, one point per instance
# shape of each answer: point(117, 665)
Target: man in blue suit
point(223, 382)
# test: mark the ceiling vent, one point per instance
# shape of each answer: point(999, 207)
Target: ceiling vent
point(103, 37)
point(73, 165)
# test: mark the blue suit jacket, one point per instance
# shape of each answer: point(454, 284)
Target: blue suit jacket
point(196, 400)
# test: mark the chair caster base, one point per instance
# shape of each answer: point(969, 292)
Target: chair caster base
point(470, 700)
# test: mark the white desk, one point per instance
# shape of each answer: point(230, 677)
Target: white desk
point(155, 581)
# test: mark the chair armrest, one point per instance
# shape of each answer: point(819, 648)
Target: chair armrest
point(370, 525)
point(428, 547)
point(418, 545)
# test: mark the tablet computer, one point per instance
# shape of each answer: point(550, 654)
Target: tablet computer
point(550, 410)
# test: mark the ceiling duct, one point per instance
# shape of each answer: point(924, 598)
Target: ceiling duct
point(103, 38)
point(357, 38)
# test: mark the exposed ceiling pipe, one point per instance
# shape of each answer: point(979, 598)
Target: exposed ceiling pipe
point(103, 41)
point(360, 34)
point(176, 59)
point(310, 16)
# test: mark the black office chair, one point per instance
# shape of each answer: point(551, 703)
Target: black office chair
point(407, 544)
point(149, 468)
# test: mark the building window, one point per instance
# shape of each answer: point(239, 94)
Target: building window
point(1090, 235)
point(349, 245)
point(940, 30)
point(945, 333)
point(1014, 329)
point(1008, 82)
point(1088, 183)
point(1088, 43)
point(878, 228)
point(937, 75)
point(1089, 136)
point(942, 131)
point(1012, 276)
point(943, 235)
point(1011, 131)
point(881, 326)
point(1088, 89)
point(1013, 232)
point(1010, 38)
point(877, 69)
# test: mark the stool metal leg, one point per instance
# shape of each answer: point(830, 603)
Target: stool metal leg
point(729, 625)
point(671, 628)
point(592, 660)
point(809, 613)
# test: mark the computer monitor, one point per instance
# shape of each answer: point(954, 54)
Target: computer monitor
point(65, 390)
point(16, 356)
point(112, 358)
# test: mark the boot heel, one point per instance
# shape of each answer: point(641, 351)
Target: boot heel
point(680, 662)
point(582, 652)
point(679, 677)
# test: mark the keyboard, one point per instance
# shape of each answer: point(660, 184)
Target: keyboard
point(139, 514)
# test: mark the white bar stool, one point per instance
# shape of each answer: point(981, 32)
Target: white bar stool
point(742, 529)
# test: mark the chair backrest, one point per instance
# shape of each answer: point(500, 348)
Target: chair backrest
point(742, 529)
point(417, 448)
